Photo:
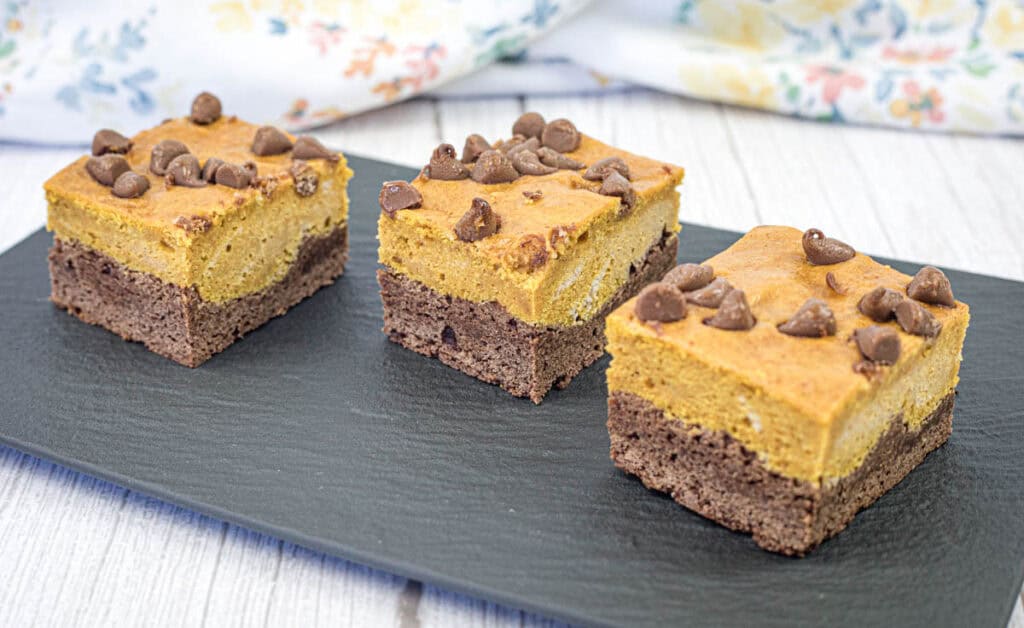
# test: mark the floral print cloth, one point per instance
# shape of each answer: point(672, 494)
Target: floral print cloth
point(68, 68)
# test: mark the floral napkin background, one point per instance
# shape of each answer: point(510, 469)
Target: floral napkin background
point(69, 67)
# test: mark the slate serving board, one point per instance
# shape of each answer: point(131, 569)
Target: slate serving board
point(317, 430)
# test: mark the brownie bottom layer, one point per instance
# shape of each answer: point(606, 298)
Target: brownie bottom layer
point(714, 475)
point(174, 321)
point(485, 341)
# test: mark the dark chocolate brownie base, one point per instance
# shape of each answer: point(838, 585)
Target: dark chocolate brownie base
point(174, 321)
point(714, 475)
point(485, 341)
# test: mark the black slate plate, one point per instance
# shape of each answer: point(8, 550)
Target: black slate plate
point(317, 430)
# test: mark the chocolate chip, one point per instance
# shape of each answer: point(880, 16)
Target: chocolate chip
point(130, 185)
point(305, 176)
point(533, 195)
point(915, 319)
point(110, 141)
point(878, 344)
point(232, 175)
point(444, 166)
point(530, 124)
point(822, 251)
point(494, 167)
point(526, 162)
point(205, 108)
point(184, 170)
point(475, 146)
point(600, 169)
point(615, 184)
point(660, 302)
point(504, 146)
point(193, 224)
point(555, 159)
point(710, 295)
point(814, 319)
point(687, 277)
point(734, 314)
point(880, 304)
point(163, 153)
point(269, 140)
point(106, 169)
point(308, 147)
point(210, 169)
point(478, 222)
point(531, 145)
point(528, 254)
point(833, 283)
point(561, 135)
point(396, 195)
point(930, 285)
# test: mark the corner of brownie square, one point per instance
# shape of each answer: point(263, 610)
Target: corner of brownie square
point(503, 263)
point(197, 231)
point(784, 385)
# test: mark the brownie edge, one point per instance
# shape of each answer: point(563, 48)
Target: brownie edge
point(175, 321)
point(485, 341)
point(714, 475)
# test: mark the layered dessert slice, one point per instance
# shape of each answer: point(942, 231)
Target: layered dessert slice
point(503, 263)
point(192, 233)
point(783, 385)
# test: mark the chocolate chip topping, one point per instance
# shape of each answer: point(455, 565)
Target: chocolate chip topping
point(130, 185)
point(822, 251)
point(306, 178)
point(270, 140)
point(555, 159)
point(533, 195)
point(930, 285)
point(526, 162)
point(110, 141)
point(878, 344)
point(734, 314)
point(528, 254)
point(396, 195)
point(615, 184)
point(210, 169)
point(710, 295)
point(163, 153)
point(880, 304)
point(231, 175)
point(444, 166)
point(561, 135)
point(687, 277)
point(106, 169)
point(205, 108)
point(475, 146)
point(193, 224)
point(530, 124)
point(531, 145)
point(308, 147)
point(814, 319)
point(184, 170)
point(660, 302)
point(833, 283)
point(505, 146)
point(478, 222)
point(915, 319)
point(494, 167)
point(600, 169)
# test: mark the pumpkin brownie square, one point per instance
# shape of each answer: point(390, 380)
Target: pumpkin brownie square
point(197, 231)
point(784, 385)
point(503, 264)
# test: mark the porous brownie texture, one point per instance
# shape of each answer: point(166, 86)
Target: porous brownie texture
point(174, 321)
point(485, 341)
point(713, 474)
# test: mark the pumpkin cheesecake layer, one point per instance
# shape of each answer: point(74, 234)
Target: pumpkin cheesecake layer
point(196, 231)
point(808, 409)
point(504, 267)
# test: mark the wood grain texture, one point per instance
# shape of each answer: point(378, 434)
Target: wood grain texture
point(75, 550)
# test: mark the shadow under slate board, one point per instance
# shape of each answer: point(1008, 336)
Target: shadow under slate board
point(317, 430)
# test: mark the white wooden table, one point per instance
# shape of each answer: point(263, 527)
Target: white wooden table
point(78, 551)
